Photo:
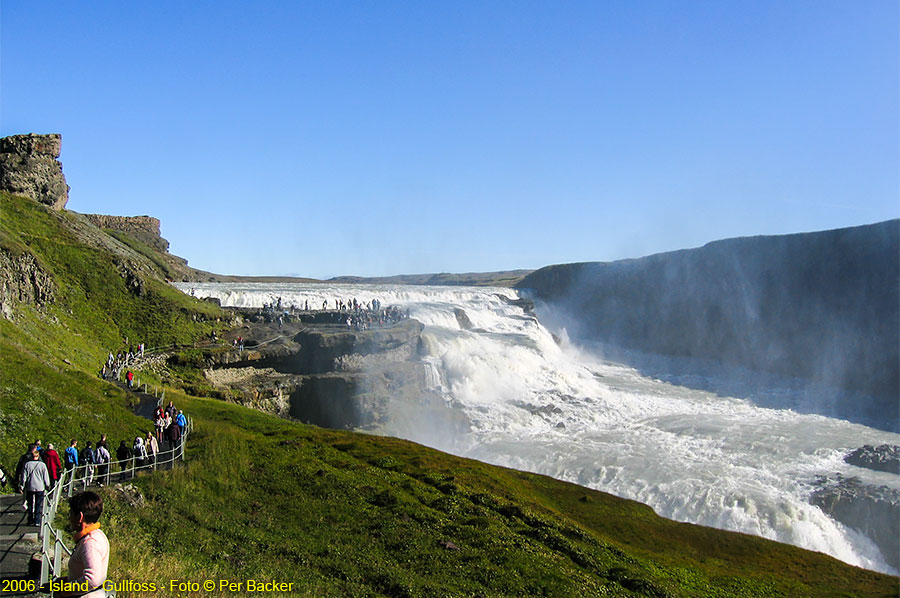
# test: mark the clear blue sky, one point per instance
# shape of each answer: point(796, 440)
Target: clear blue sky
point(373, 138)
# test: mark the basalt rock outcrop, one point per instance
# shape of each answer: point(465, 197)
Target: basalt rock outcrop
point(143, 228)
point(873, 510)
point(885, 457)
point(29, 166)
point(316, 369)
point(22, 279)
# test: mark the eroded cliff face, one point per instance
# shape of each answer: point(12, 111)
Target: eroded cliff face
point(29, 166)
point(22, 280)
point(319, 371)
point(143, 228)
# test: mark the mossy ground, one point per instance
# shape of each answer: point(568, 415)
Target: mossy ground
point(338, 513)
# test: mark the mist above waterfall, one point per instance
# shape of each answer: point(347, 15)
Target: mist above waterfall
point(820, 311)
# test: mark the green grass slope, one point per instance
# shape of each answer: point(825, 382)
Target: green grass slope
point(335, 513)
point(49, 354)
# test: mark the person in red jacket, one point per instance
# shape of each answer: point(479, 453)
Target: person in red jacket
point(53, 462)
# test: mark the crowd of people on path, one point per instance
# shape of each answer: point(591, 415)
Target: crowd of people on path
point(112, 369)
point(169, 425)
point(360, 315)
point(40, 468)
point(378, 317)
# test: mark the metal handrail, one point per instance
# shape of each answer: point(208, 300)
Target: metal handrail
point(69, 479)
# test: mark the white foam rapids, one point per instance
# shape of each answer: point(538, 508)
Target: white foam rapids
point(545, 406)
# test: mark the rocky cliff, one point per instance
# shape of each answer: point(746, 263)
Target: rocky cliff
point(143, 228)
point(22, 279)
point(29, 166)
point(317, 370)
point(820, 306)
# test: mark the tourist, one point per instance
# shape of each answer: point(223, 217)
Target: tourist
point(34, 481)
point(152, 447)
point(72, 455)
point(173, 435)
point(123, 456)
point(159, 423)
point(25, 458)
point(103, 458)
point(130, 377)
point(88, 458)
point(140, 452)
point(53, 462)
point(90, 558)
point(181, 421)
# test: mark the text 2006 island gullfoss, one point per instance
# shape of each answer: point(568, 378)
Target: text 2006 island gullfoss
point(206, 585)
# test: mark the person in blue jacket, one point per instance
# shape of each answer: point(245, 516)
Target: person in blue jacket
point(72, 455)
point(181, 421)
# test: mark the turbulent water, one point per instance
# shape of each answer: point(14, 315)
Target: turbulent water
point(539, 404)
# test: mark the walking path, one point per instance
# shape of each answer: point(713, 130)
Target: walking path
point(20, 544)
point(18, 541)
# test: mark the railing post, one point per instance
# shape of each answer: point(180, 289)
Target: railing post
point(56, 552)
point(45, 554)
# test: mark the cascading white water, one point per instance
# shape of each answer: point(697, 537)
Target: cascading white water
point(543, 406)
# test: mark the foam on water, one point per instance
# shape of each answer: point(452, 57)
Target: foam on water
point(548, 407)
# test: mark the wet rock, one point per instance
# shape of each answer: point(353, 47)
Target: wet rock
point(885, 457)
point(540, 409)
point(462, 318)
point(872, 510)
point(527, 305)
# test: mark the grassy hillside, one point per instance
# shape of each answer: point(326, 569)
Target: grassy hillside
point(50, 353)
point(335, 513)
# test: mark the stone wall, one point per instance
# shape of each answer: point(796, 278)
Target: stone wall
point(29, 166)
